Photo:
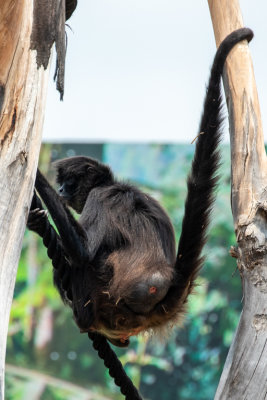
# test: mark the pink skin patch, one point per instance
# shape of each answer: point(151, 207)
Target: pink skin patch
point(152, 290)
point(126, 336)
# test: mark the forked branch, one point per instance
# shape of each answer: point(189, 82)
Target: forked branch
point(244, 375)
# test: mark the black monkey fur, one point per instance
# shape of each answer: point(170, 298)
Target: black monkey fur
point(122, 274)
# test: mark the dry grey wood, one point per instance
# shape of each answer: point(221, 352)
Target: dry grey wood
point(245, 372)
point(22, 104)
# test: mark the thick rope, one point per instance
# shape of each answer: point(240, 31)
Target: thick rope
point(56, 253)
point(41, 225)
point(114, 366)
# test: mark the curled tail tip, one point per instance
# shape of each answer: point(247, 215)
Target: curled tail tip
point(239, 35)
point(245, 33)
point(229, 42)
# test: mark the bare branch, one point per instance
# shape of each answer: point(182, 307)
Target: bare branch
point(22, 104)
point(244, 375)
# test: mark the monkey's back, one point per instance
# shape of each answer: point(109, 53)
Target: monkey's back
point(120, 216)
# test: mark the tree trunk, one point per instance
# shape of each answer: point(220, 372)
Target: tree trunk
point(22, 97)
point(245, 373)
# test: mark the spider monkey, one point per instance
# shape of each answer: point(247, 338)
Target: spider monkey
point(121, 257)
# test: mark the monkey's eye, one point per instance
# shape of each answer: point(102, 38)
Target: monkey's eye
point(68, 188)
point(121, 321)
point(71, 182)
point(70, 185)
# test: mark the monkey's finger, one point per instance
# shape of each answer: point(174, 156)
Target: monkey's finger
point(39, 212)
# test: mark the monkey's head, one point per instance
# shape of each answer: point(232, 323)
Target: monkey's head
point(133, 294)
point(77, 176)
point(134, 301)
point(115, 318)
point(118, 322)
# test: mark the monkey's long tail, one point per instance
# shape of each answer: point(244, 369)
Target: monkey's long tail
point(202, 179)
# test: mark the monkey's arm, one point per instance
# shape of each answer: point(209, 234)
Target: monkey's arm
point(203, 179)
point(71, 233)
point(39, 223)
point(38, 219)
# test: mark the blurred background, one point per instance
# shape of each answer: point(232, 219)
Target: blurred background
point(188, 363)
point(135, 81)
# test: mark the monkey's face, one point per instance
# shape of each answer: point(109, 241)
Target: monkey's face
point(70, 191)
point(113, 319)
point(77, 176)
point(68, 188)
point(133, 301)
point(74, 189)
point(118, 323)
point(135, 298)
point(120, 335)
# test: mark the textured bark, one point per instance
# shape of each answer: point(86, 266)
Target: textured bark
point(22, 96)
point(49, 28)
point(245, 373)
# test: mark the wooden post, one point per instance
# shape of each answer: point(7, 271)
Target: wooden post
point(245, 373)
point(22, 103)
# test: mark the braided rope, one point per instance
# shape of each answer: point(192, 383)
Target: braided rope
point(41, 225)
point(56, 253)
point(116, 370)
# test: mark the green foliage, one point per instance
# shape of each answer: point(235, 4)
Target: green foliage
point(187, 365)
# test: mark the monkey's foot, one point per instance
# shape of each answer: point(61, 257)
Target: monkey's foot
point(233, 251)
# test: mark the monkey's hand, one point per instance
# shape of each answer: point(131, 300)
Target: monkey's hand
point(37, 219)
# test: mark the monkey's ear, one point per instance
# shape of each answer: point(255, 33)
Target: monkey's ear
point(100, 174)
